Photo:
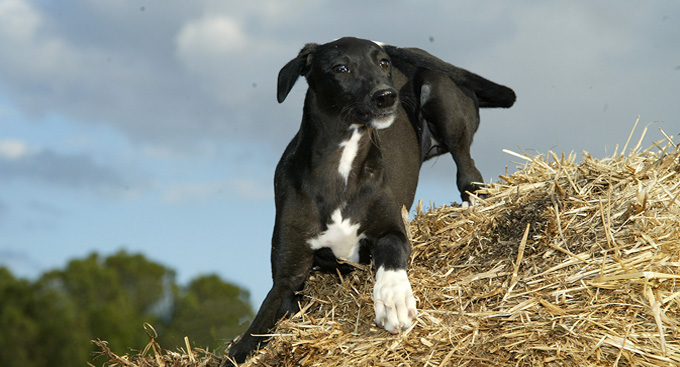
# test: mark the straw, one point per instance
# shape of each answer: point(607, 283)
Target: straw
point(563, 263)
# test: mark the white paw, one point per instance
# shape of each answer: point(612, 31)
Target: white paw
point(395, 306)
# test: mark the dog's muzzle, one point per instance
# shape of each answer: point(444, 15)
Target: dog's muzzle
point(383, 109)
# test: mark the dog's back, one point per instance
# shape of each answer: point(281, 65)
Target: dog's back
point(487, 93)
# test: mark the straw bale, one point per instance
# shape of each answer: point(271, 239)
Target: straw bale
point(559, 264)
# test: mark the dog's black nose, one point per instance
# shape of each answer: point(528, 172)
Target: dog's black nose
point(385, 98)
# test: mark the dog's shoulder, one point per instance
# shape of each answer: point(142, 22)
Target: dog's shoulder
point(288, 171)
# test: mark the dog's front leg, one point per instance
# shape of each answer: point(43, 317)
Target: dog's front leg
point(290, 268)
point(395, 306)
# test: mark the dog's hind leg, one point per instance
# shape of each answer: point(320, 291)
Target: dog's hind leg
point(453, 114)
point(290, 270)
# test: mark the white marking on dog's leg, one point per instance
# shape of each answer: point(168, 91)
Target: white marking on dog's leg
point(395, 306)
point(350, 147)
point(425, 93)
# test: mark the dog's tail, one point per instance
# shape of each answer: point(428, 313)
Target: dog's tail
point(489, 94)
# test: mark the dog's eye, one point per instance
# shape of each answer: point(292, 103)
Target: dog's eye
point(384, 63)
point(340, 69)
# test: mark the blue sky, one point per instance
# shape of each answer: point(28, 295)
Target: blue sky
point(153, 126)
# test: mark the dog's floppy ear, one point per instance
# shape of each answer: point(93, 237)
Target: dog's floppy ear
point(293, 69)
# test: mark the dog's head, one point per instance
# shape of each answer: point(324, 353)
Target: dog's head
point(349, 77)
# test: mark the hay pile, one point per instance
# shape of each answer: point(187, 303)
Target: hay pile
point(154, 356)
point(562, 264)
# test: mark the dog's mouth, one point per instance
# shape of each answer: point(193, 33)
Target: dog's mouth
point(375, 120)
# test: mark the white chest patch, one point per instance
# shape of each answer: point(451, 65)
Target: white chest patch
point(342, 237)
point(349, 147)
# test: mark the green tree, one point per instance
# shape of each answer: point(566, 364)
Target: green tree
point(38, 326)
point(209, 312)
point(51, 322)
point(114, 296)
point(151, 287)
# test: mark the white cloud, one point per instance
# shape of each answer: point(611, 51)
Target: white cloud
point(179, 74)
point(241, 188)
point(13, 149)
point(578, 39)
point(251, 189)
point(211, 36)
point(18, 16)
point(53, 168)
point(29, 52)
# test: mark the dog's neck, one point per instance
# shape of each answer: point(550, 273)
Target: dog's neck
point(341, 154)
point(353, 148)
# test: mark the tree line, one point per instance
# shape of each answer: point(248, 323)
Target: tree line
point(52, 320)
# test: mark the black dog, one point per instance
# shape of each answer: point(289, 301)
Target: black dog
point(373, 113)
